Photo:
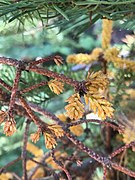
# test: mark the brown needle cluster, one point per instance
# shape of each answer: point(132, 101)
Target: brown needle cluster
point(85, 58)
point(35, 136)
point(3, 116)
point(75, 108)
point(50, 141)
point(56, 86)
point(10, 127)
point(54, 131)
point(95, 82)
point(58, 60)
point(10, 124)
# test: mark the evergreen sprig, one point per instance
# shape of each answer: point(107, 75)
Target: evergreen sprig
point(66, 13)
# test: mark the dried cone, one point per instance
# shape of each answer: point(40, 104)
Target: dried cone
point(75, 108)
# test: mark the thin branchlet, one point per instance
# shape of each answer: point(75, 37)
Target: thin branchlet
point(14, 90)
point(35, 86)
point(60, 165)
point(121, 149)
point(28, 109)
point(24, 149)
point(109, 124)
point(48, 73)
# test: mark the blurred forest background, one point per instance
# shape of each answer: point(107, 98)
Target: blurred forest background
point(36, 41)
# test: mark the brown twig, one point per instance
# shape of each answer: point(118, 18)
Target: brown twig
point(114, 127)
point(61, 166)
point(16, 176)
point(9, 61)
point(14, 91)
point(25, 105)
point(5, 85)
point(10, 164)
point(46, 113)
point(38, 163)
point(101, 159)
point(24, 149)
point(43, 60)
point(33, 87)
point(105, 161)
point(48, 73)
point(121, 160)
point(123, 169)
point(41, 163)
point(104, 173)
point(121, 149)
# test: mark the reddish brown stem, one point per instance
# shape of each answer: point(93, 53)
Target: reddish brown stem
point(16, 176)
point(33, 87)
point(104, 173)
point(14, 91)
point(10, 164)
point(24, 150)
point(118, 151)
point(6, 86)
point(105, 161)
point(41, 163)
point(31, 114)
point(71, 137)
point(116, 128)
point(101, 159)
point(46, 113)
point(43, 60)
point(123, 169)
point(61, 166)
point(60, 77)
point(9, 61)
